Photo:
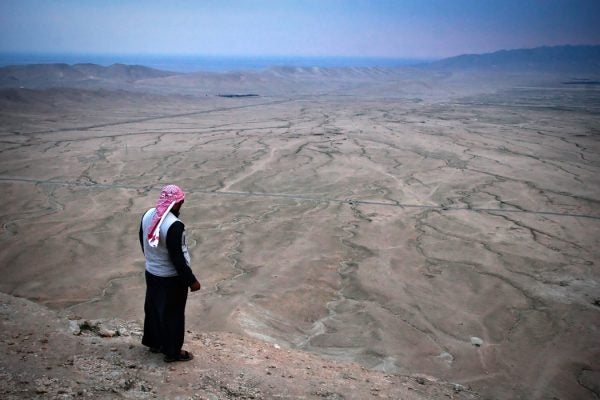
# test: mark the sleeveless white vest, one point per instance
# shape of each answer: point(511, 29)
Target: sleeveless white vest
point(157, 258)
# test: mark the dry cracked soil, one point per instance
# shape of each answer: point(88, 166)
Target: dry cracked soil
point(411, 238)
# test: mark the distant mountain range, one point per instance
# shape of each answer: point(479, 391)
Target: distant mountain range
point(578, 61)
point(55, 74)
point(546, 59)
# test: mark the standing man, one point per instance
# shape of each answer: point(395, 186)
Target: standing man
point(168, 276)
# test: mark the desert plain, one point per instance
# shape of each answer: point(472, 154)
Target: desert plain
point(444, 225)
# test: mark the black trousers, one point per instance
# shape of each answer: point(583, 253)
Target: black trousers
point(164, 308)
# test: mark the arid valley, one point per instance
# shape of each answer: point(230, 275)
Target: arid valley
point(421, 223)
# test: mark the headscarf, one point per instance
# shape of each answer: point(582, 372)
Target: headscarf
point(169, 196)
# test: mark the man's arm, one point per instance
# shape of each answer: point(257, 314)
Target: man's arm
point(142, 236)
point(174, 246)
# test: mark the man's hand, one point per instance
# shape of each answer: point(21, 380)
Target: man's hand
point(195, 286)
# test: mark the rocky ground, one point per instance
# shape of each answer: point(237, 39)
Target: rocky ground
point(49, 357)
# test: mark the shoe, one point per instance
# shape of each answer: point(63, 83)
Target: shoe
point(183, 356)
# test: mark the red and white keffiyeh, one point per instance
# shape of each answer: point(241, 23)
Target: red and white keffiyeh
point(169, 196)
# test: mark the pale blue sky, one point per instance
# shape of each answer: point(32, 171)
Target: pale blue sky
point(375, 28)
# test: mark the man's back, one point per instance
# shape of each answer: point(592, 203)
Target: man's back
point(158, 261)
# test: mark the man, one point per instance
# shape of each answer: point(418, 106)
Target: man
point(168, 276)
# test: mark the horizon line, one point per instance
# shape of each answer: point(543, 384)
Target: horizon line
point(185, 55)
point(282, 56)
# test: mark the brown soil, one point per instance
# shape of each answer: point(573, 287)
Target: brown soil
point(417, 224)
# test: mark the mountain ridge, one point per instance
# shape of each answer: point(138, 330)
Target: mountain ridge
point(61, 72)
point(551, 55)
point(546, 58)
point(559, 64)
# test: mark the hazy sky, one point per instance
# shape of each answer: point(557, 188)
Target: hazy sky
point(388, 28)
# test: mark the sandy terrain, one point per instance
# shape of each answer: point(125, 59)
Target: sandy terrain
point(446, 229)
